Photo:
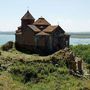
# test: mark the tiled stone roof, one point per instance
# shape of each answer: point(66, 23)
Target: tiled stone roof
point(27, 16)
point(41, 21)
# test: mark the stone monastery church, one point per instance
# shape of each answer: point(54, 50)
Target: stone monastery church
point(40, 36)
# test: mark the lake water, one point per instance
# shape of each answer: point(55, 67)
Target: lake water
point(77, 41)
point(73, 41)
point(5, 38)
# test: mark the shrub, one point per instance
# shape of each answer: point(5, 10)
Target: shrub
point(82, 51)
point(32, 72)
point(88, 67)
point(29, 75)
point(63, 70)
point(58, 62)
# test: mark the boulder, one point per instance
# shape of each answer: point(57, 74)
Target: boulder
point(7, 46)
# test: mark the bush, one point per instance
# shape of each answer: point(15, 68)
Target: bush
point(34, 72)
point(82, 51)
point(29, 75)
point(62, 70)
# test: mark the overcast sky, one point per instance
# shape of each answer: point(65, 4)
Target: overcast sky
point(71, 15)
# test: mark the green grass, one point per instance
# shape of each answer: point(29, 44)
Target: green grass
point(33, 72)
point(82, 51)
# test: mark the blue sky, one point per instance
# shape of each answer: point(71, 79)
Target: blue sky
point(71, 15)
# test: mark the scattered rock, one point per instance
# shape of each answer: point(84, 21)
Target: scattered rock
point(0, 53)
point(73, 62)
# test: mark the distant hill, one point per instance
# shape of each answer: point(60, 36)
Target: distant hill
point(9, 33)
point(72, 34)
point(80, 34)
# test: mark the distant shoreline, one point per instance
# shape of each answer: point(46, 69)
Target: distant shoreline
point(80, 36)
point(72, 35)
point(7, 33)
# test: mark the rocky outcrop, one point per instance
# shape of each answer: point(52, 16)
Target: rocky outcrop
point(7, 46)
point(73, 62)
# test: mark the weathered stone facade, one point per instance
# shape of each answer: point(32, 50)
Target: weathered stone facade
point(40, 35)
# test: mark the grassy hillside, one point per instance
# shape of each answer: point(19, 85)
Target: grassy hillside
point(82, 51)
point(20, 71)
